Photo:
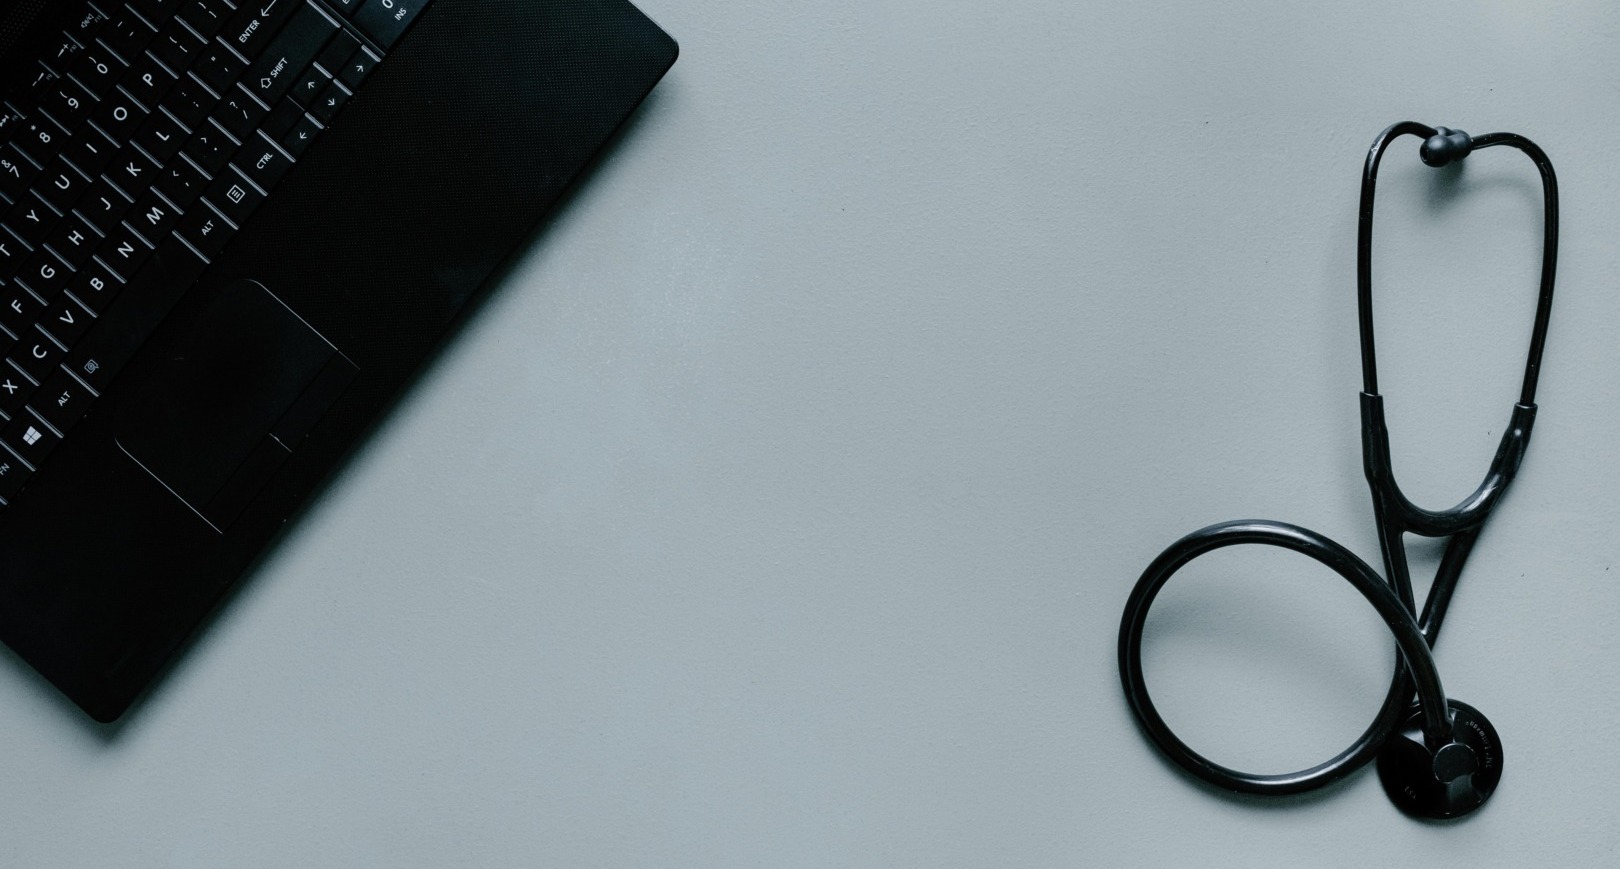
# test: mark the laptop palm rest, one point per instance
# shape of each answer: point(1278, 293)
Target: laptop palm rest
point(231, 399)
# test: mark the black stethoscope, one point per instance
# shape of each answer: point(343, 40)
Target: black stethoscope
point(1436, 759)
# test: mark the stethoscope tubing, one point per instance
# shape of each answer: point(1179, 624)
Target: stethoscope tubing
point(1391, 595)
point(1420, 669)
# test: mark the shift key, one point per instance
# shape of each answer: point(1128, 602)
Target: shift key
point(277, 69)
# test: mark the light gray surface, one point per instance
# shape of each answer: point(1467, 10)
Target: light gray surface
point(779, 510)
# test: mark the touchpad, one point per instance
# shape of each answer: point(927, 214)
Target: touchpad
point(230, 400)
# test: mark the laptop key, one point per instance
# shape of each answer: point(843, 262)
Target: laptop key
point(66, 320)
point(263, 162)
point(104, 204)
point(12, 252)
point(285, 116)
point(95, 286)
point(12, 475)
point(123, 250)
point(386, 20)
point(210, 148)
point(256, 24)
point(338, 51)
point(61, 57)
point(233, 196)
point(31, 220)
point(18, 308)
point(276, 70)
point(127, 34)
point(301, 136)
point(67, 102)
point(206, 230)
point(36, 354)
point(219, 67)
point(358, 67)
point(156, 9)
point(119, 117)
point(148, 82)
point(97, 69)
point(14, 387)
point(308, 86)
point(15, 172)
point(239, 113)
point(131, 169)
point(161, 137)
point(31, 439)
point(190, 102)
point(61, 399)
point(153, 216)
point(207, 17)
point(88, 24)
point(44, 274)
point(177, 46)
point(327, 104)
point(61, 183)
point(91, 152)
point(74, 240)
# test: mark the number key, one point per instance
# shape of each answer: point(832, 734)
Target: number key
point(67, 102)
point(97, 70)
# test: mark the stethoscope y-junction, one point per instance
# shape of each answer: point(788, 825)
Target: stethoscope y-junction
point(1436, 758)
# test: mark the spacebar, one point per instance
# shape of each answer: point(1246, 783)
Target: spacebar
point(132, 317)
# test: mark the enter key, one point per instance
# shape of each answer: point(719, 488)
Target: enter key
point(277, 69)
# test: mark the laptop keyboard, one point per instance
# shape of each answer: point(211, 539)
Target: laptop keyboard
point(148, 135)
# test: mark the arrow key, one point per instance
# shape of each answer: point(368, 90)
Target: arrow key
point(308, 86)
point(282, 118)
point(358, 67)
point(327, 104)
point(301, 136)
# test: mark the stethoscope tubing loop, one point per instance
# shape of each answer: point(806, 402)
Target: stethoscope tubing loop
point(1419, 671)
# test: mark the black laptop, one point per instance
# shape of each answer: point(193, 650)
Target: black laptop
point(230, 233)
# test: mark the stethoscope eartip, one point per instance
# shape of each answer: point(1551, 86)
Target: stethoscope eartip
point(1449, 782)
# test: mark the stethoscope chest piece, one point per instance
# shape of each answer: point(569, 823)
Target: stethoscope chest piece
point(1449, 782)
